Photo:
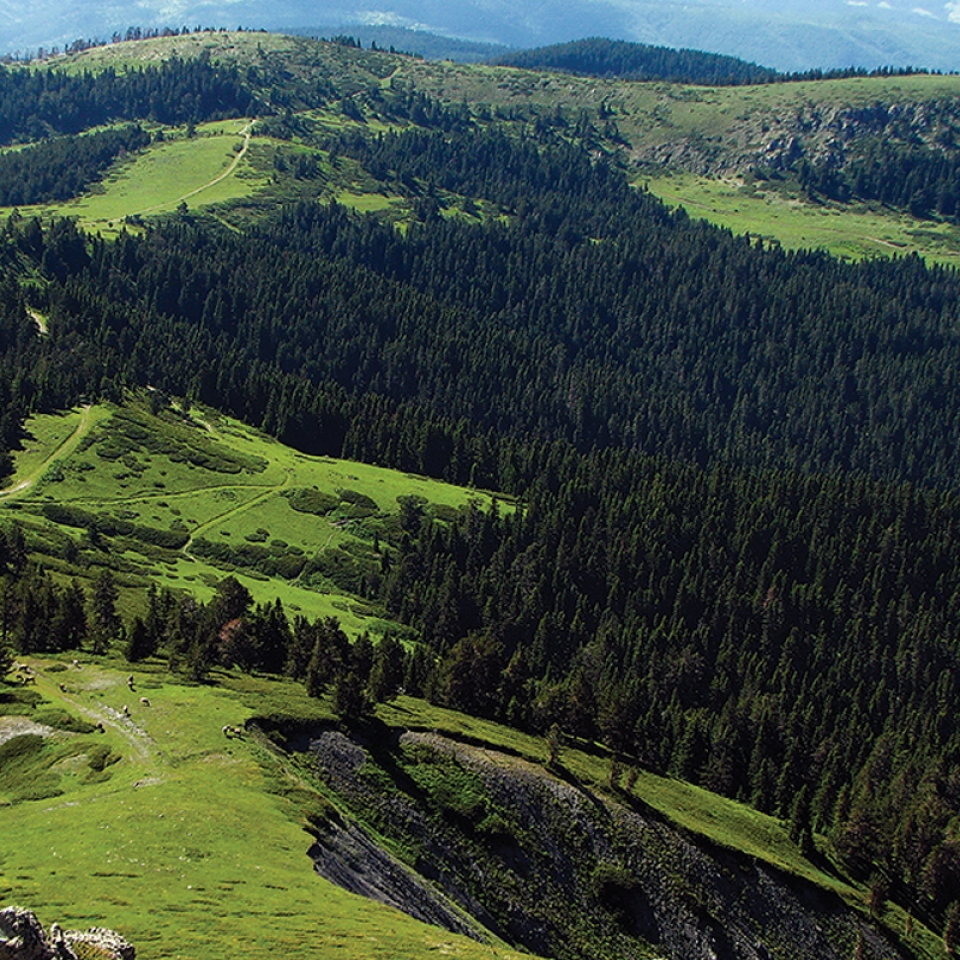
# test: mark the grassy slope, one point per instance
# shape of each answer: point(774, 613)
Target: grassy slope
point(80, 459)
point(652, 113)
point(193, 846)
point(655, 118)
point(853, 231)
point(204, 170)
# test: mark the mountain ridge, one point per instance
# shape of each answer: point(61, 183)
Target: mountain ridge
point(789, 38)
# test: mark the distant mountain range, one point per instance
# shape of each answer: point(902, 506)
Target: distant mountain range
point(787, 34)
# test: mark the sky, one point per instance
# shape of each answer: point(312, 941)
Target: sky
point(787, 34)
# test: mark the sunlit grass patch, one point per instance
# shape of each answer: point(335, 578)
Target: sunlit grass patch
point(854, 232)
point(196, 846)
point(177, 170)
point(186, 500)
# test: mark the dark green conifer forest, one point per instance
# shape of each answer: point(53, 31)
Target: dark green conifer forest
point(735, 552)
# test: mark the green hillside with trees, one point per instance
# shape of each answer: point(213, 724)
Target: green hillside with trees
point(723, 549)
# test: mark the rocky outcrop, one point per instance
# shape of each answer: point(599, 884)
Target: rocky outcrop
point(822, 133)
point(23, 938)
point(345, 854)
point(544, 864)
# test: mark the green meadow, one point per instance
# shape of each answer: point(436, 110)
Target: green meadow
point(656, 112)
point(202, 170)
point(191, 844)
point(850, 231)
point(185, 499)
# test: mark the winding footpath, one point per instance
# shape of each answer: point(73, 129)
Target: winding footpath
point(238, 509)
point(65, 448)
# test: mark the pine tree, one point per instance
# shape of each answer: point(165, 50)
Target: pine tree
point(554, 745)
point(801, 830)
point(330, 657)
point(303, 640)
point(350, 700)
point(860, 947)
point(69, 627)
point(6, 659)
point(877, 895)
point(386, 674)
point(139, 644)
point(103, 612)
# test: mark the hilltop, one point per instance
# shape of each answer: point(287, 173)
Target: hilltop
point(778, 161)
point(789, 35)
point(218, 834)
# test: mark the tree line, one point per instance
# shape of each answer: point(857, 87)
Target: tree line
point(600, 57)
point(924, 181)
point(36, 104)
point(587, 313)
point(624, 60)
point(65, 167)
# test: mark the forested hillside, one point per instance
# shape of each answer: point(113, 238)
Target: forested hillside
point(733, 556)
point(598, 57)
point(591, 316)
point(38, 104)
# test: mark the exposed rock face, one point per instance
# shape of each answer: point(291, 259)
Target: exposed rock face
point(545, 864)
point(347, 856)
point(107, 942)
point(822, 133)
point(23, 938)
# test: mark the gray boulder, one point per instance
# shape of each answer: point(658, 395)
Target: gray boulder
point(22, 937)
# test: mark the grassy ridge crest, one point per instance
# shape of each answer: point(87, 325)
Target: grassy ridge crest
point(715, 133)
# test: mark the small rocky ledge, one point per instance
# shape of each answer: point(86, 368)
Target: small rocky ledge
point(23, 938)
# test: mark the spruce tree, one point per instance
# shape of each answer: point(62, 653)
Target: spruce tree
point(6, 660)
point(951, 929)
point(103, 611)
point(386, 674)
point(140, 643)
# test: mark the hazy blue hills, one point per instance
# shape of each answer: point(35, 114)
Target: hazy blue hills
point(788, 35)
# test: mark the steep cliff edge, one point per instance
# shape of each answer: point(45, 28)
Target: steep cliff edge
point(489, 844)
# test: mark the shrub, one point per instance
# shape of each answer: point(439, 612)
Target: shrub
point(311, 500)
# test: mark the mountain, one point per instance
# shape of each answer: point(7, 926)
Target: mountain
point(788, 35)
point(726, 564)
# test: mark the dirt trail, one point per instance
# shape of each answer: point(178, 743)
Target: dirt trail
point(142, 745)
point(11, 727)
point(65, 448)
point(240, 508)
point(246, 133)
